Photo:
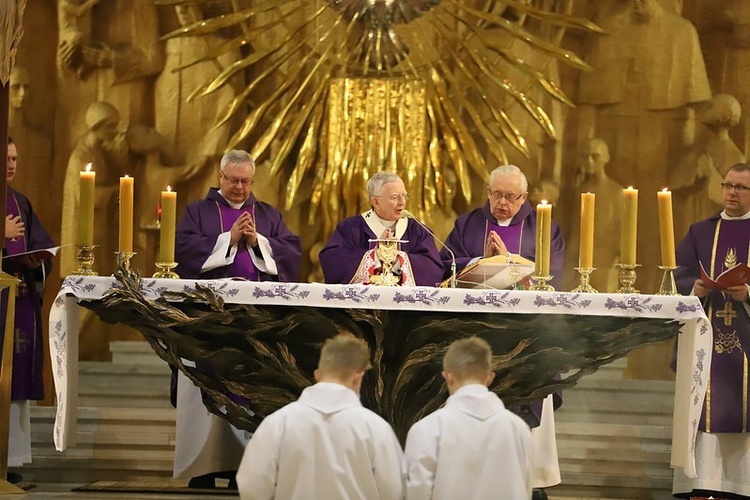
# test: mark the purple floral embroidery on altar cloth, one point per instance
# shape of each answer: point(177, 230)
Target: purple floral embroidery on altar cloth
point(497, 299)
point(421, 296)
point(284, 291)
point(74, 283)
point(354, 293)
point(633, 303)
point(683, 307)
point(562, 300)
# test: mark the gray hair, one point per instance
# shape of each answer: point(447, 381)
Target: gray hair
point(510, 171)
point(378, 180)
point(237, 157)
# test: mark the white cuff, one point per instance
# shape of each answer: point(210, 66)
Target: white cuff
point(266, 264)
point(219, 256)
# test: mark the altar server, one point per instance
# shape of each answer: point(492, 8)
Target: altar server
point(325, 445)
point(473, 447)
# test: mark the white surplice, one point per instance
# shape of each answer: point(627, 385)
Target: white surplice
point(472, 448)
point(204, 442)
point(325, 445)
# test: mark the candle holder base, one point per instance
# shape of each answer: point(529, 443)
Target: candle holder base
point(584, 286)
point(541, 285)
point(627, 277)
point(123, 260)
point(85, 259)
point(165, 270)
point(668, 285)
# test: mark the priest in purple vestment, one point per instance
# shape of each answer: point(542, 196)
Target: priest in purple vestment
point(229, 234)
point(716, 245)
point(349, 255)
point(24, 233)
point(505, 225)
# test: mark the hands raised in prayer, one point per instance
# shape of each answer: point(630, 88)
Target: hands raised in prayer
point(244, 229)
point(495, 245)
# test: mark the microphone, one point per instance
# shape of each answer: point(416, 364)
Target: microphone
point(405, 214)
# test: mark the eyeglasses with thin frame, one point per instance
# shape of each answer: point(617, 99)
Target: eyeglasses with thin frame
point(396, 197)
point(510, 198)
point(237, 182)
point(737, 187)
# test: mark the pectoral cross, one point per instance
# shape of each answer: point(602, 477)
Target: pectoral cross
point(19, 342)
point(727, 313)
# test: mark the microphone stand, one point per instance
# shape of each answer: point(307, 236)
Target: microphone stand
point(409, 215)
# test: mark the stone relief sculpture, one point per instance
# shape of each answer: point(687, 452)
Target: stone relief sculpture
point(32, 141)
point(648, 74)
point(724, 28)
point(144, 143)
point(697, 180)
point(74, 22)
point(187, 127)
point(591, 177)
point(101, 121)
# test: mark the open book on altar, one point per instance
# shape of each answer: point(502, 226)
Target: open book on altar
point(737, 275)
point(496, 272)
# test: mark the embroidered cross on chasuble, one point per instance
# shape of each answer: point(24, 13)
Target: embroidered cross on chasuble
point(727, 404)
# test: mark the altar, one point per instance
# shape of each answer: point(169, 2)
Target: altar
point(260, 341)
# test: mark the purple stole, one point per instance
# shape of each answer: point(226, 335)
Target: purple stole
point(511, 235)
point(243, 265)
point(726, 408)
point(24, 334)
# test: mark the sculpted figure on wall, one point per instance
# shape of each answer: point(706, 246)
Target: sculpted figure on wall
point(36, 145)
point(187, 127)
point(591, 177)
point(648, 73)
point(697, 180)
point(724, 28)
point(101, 122)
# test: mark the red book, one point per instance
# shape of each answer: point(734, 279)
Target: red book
point(738, 275)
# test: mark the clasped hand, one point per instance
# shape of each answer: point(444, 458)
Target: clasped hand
point(14, 226)
point(495, 245)
point(243, 229)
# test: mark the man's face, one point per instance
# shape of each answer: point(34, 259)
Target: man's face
point(595, 158)
point(505, 196)
point(736, 199)
point(390, 201)
point(107, 130)
point(12, 162)
point(236, 182)
point(18, 92)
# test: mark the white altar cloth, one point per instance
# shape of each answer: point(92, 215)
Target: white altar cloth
point(693, 365)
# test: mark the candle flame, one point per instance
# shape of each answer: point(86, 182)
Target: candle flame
point(126, 176)
point(544, 202)
point(88, 167)
point(665, 190)
point(630, 187)
point(169, 188)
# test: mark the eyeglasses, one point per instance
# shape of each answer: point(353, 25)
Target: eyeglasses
point(238, 182)
point(510, 198)
point(396, 197)
point(737, 187)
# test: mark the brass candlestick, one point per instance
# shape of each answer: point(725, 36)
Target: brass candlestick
point(165, 271)
point(85, 260)
point(541, 285)
point(584, 286)
point(668, 285)
point(627, 277)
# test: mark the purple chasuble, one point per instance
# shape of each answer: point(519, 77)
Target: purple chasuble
point(727, 407)
point(511, 235)
point(243, 265)
point(28, 350)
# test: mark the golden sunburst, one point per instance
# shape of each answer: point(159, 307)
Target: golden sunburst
point(415, 86)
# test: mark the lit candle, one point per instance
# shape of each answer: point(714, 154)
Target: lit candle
point(167, 230)
point(543, 222)
point(586, 255)
point(666, 228)
point(629, 227)
point(87, 189)
point(126, 214)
